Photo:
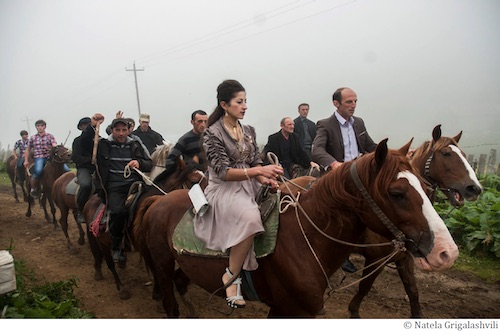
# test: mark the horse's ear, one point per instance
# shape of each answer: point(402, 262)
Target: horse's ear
point(457, 138)
point(436, 133)
point(381, 152)
point(180, 162)
point(405, 148)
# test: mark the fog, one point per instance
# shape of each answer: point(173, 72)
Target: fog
point(413, 64)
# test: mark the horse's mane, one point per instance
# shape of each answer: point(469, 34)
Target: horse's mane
point(428, 146)
point(161, 153)
point(175, 176)
point(336, 190)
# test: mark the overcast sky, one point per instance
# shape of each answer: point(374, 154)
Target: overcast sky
point(414, 64)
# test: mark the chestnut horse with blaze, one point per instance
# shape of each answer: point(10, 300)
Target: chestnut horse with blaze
point(444, 167)
point(313, 242)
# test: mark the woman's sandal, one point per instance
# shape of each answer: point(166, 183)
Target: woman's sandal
point(231, 301)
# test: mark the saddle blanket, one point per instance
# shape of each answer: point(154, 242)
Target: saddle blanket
point(72, 187)
point(186, 242)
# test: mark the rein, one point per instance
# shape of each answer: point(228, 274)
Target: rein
point(291, 200)
point(127, 172)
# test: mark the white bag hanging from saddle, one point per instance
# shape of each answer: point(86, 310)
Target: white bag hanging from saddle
point(200, 203)
point(7, 272)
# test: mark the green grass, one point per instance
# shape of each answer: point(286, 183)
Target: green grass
point(485, 267)
point(4, 179)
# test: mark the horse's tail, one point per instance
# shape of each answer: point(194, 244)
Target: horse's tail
point(141, 227)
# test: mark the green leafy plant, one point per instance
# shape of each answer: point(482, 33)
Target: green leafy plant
point(476, 225)
point(48, 301)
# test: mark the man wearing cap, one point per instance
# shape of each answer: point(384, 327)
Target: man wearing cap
point(82, 157)
point(114, 154)
point(149, 137)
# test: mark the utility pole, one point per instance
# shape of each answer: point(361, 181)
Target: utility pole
point(28, 123)
point(136, 87)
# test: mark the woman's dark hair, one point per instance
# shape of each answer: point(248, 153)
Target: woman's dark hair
point(225, 92)
point(23, 132)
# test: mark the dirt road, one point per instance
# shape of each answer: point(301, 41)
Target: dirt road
point(451, 294)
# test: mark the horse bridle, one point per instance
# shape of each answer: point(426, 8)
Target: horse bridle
point(401, 242)
point(431, 183)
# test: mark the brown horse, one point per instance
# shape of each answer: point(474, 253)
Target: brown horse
point(184, 176)
point(442, 164)
point(66, 202)
point(14, 178)
point(293, 279)
point(54, 167)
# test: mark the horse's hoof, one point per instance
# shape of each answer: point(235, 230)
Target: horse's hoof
point(73, 251)
point(125, 294)
point(98, 275)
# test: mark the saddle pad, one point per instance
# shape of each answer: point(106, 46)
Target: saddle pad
point(72, 187)
point(185, 241)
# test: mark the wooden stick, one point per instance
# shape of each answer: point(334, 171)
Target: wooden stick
point(96, 142)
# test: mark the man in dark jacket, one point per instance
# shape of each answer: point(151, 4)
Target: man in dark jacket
point(81, 155)
point(114, 155)
point(148, 136)
point(305, 129)
point(285, 144)
point(341, 138)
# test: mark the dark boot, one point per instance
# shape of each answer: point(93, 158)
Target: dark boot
point(20, 175)
point(116, 248)
point(349, 267)
point(34, 188)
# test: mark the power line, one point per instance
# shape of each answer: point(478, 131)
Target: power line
point(261, 32)
point(225, 31)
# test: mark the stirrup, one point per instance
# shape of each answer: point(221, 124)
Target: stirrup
point(231, 301)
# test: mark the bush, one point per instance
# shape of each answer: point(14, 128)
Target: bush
point(48, 301)
point(476, 225)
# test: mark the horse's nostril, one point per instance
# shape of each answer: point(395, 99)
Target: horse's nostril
point(473, 189)
point(444, 257)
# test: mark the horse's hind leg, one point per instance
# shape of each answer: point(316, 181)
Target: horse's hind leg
point(406, 270)
point(64, 225)
point(14, 188)
point(81, 238)
point(181, 284)
point(97, 254)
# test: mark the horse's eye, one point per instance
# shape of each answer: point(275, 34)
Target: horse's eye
point(446, 153)
point(397, 196)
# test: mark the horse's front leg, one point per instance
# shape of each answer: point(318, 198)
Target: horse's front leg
point(406, 270)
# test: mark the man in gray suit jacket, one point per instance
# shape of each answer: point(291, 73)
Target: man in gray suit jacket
point(341, 138)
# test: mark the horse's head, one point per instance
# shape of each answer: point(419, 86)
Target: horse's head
point(184, 175)
point(396, 196)
point(442, 163)
point(60, 154)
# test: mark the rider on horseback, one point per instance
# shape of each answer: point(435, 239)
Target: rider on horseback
point(41, 143)
point(114, 155)
point(20, 144)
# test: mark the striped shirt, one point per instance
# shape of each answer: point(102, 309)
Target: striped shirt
point(41, 145)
